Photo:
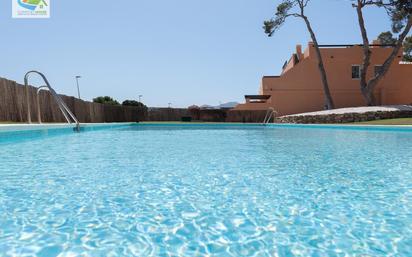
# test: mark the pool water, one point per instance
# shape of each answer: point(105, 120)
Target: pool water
point(207, 191)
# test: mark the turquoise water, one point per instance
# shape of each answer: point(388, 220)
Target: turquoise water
point(206, 190)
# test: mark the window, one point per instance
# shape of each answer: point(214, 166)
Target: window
point(378, 69)
point(355, 72)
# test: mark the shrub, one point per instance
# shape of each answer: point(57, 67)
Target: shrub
point(133, 103)
point(105, 100)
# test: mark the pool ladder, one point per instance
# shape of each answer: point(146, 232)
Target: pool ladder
point(68, 115)
point(271, 113)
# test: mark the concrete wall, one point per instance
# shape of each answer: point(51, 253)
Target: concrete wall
point(13, 107)
point(299, 88)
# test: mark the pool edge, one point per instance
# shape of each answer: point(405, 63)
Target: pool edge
point(46, 126)
point(92, 126)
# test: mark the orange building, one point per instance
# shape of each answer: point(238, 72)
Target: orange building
point(299, 89)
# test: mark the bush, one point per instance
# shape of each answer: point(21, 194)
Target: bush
point(133, 103)
point(105, 100)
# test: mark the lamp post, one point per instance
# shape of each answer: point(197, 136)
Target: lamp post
point(170, 105)
point(78, 87)
point(140, 98)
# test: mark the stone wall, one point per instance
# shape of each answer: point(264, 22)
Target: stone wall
point(345, 118)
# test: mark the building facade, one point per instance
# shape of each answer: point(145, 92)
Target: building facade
point(299, 88)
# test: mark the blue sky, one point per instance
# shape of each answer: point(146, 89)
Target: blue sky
point(183, 51)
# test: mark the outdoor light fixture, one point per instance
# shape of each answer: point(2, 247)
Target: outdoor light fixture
point(78, 88)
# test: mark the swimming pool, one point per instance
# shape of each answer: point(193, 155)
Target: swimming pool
point(219, 190)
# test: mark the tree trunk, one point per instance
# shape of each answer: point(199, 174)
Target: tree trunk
point(366, 57)
point(329, 104)
point(368, 87)
point(369, 96)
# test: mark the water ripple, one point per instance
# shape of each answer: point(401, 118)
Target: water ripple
point(208, 192)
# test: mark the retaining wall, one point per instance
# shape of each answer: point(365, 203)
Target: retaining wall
point(345, 118)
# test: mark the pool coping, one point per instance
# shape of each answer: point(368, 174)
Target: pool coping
point(90, 126)
point(401, 128)
point(45, 126)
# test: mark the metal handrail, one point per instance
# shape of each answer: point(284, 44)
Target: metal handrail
point(38, 105)
point(62, 105)
point(270, 113)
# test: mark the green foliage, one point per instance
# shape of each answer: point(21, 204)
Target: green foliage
point(386, 38)
point(269, 27)
point(133, 103)
point(105, 100)
point(282, 12)
point(399, 12)
point(407, 47)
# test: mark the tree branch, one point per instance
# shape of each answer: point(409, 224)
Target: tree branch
point(388, 62)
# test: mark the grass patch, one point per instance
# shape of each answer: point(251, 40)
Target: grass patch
point(402, 121)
